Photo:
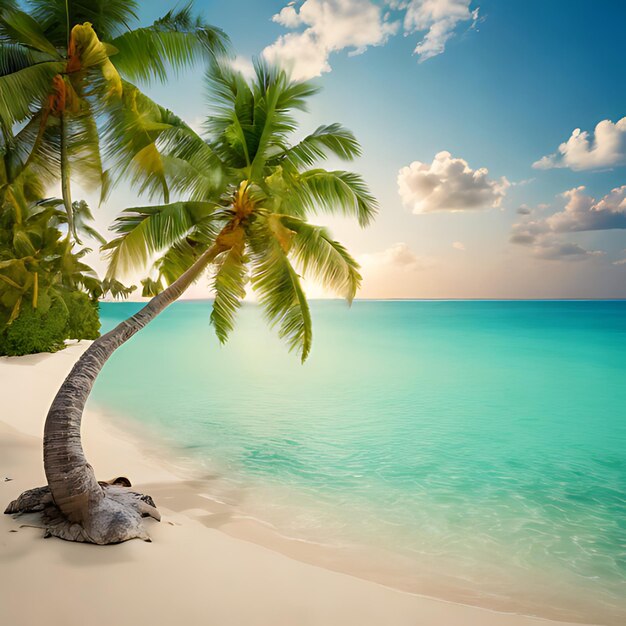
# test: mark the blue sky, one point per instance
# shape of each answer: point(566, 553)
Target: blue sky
point(505, 85)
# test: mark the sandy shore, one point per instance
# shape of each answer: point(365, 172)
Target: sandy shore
point(192, 573)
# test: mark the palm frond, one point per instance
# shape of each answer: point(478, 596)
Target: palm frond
point(229, 286)
point(151, 287)
point(182, 255)
point(21, 28)
point(177, 260)
point(16, 57)
point(231, 113)
point(174, 42)
point(134, 125)
point(115, 288)
point(82, 218)
point(83, 143)
point(276, 96)
point(279, 289)
point(157, 151)
point(23, 92)
point(191, 165)
point(35, 153)
point(335, 192)
point(146, 231)
point(332, 139)
point(108, 17)
point(321, 257)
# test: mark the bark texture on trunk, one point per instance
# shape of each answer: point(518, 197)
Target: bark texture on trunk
point(75, 505)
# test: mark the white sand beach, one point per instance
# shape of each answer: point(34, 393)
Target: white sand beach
point(192, 573)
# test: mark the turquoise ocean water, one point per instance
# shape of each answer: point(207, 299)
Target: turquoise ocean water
point(479, 448)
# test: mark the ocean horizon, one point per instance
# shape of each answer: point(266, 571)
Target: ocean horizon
point(476, 447)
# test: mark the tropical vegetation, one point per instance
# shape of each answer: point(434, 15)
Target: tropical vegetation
point(47, 293)
point(69, 114)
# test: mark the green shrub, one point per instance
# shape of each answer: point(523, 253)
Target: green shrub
point(36, 330)
point(84, 321)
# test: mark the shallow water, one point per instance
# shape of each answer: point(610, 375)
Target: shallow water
point(482, 442)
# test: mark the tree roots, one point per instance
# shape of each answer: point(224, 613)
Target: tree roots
point(114, 515)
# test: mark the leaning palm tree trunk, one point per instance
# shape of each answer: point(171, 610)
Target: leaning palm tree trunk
point(75, 505)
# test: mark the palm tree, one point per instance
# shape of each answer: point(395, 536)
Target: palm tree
point(247, 217)
point(65, 65)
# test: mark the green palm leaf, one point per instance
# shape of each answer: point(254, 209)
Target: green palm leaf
point(19, 27)
point(151, 287)
point(108, 17)
point(132, 132)
point(231, 116)
point(174, 42)
point(145, 231)
point(177, 260)
point(84, 151)
point(276, 97)
point(34, 159)
point(229, 286)
point(22, 92)
point(323, 258)
point(279, 289)
point(16, 57)
point(341, 192)
point(191, 165)
point(333, 139)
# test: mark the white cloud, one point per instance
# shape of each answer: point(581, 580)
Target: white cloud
point(582, 152)
point(440, 18)
point(288, 16)
point(329, 26)
point(458, 245)
point(581, 213)
point(620, 262)
point(449, 184)
point(398, 257)
point(320, 28)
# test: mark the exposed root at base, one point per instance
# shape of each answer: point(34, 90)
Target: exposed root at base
point(114, 515)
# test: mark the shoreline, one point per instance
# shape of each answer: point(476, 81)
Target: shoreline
point(199, 540)
point(198, 492)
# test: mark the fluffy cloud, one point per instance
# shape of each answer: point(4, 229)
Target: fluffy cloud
point(449, 184)
point(329, 26)
point(581, 213)
point(458, 245)
point(581, 152)
point(440, 18)
point(323, 27)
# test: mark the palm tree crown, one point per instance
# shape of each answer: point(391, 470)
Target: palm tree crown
point(250, 193)
point(64, 70)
